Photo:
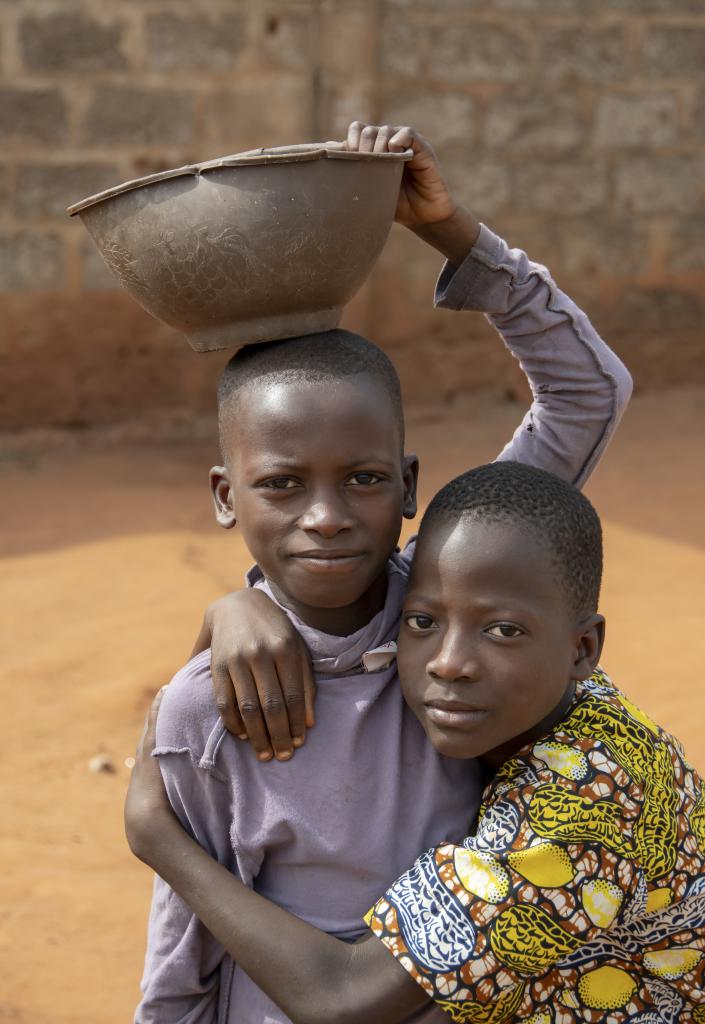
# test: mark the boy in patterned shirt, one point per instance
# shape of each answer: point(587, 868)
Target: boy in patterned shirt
point(579, 894)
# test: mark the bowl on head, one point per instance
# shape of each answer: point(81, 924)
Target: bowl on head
point(254, 247)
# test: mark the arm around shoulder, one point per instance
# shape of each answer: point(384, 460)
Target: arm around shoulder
point(314, 977)
point(261, 672)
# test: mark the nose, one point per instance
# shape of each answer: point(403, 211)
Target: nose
point(454, 660)
point(327, 515)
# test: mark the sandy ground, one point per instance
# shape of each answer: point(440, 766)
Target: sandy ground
point(109, 555)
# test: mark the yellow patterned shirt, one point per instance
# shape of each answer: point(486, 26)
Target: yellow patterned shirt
point(580, 897)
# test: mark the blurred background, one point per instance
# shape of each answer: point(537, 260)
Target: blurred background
point(576, 128)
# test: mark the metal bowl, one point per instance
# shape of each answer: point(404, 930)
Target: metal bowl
point(252, 247)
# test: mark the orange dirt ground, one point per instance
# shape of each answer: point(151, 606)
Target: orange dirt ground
point(109, 555)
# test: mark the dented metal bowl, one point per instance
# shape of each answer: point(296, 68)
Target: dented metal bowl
point(252, 247)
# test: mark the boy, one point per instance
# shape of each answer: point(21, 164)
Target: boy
point(312, 435)
point(579, 894)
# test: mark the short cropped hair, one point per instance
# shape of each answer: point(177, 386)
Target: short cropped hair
point(311, 358)
point(553, 511)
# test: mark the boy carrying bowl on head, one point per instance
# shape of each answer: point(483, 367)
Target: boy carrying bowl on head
point(315, 475)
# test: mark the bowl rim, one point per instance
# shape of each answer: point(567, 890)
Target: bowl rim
point(299, 153)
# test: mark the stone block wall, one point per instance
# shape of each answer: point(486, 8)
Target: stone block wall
point(574, 127)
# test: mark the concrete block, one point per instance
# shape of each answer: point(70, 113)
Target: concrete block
point(185, 40)
point(565, 187)
point(289, 39)
point(672, 7)
point(687, 248)
point(535, 6)
point(590, 248)
point(697, 125)
point(446, 118)
point(5, 186)
point(670, 184)
point(110, 361)
point(348, 27)
point(498, 6)
point(401, 44)
point(672, 51)
point(30, 261)
point(647, 121)
point(45, 190)
point(657, 310)
point(135, 116)
point(71, 41)
point(350, 101)
point(399, 7)
point(549, 121)
point(32, 114)
point(477, 52)
point(262, 110)
point(576, 52)
point(483, 186)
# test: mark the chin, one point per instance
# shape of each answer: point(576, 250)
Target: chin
point(328, 597)
point(330, 593)
point(457, 746)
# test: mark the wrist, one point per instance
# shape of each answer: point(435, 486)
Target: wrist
point(454, 236)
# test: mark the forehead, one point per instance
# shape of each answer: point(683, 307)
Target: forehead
point(306, 421)
point(466, 560)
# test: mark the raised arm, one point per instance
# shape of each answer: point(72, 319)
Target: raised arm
point(313, 977)
point(580, 388)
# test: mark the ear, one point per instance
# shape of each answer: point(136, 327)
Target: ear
point(410, 473)
point(222, 494)
point(589, 639)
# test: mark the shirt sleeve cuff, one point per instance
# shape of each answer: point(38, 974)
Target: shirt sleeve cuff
point(472, 285)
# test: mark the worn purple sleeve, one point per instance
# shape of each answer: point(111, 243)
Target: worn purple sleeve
point(183, 963)
point(580, 387)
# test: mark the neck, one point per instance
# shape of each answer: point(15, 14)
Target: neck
point(338, 621)
point(494, 759)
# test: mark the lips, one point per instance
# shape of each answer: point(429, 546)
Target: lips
point(334, 560)
point(453, 714)
point(324, 553)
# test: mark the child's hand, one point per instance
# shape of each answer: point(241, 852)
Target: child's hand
point(262, 676)
point(147, 807)
point(425, 204)
point(424, 196)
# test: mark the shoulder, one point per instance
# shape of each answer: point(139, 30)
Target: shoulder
point(188, 718)
point(603, 719)
point(400, 562)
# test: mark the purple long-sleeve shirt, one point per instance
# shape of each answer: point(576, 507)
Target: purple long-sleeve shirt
point(325, 834)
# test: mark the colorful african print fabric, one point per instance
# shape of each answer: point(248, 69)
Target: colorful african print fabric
point(581, 894)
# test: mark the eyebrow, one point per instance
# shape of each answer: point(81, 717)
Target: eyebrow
point(517, 605)
point(286, 464)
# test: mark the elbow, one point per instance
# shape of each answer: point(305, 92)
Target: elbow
point(331, 997)
point(624, 389)
point(329, 1004)
point(324, 1012)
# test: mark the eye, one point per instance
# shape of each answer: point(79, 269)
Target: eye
point(419, 623)
point(281, 483)
point(364, 479)
point(505, 630)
